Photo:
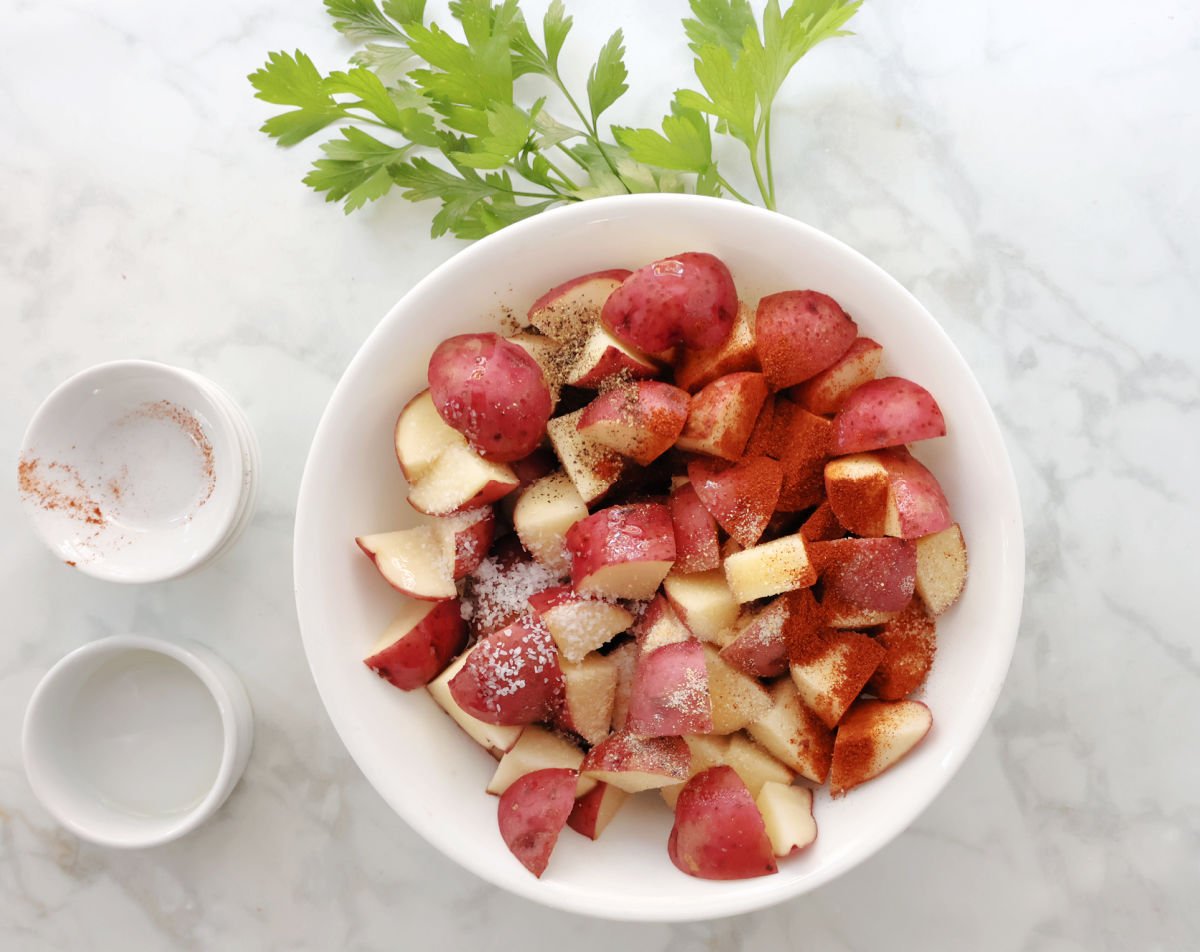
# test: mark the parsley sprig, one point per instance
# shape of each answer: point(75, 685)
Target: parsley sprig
point(437, 114)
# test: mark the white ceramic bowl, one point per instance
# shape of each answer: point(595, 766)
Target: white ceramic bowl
point(135, 471)
point(430, 773)
point(131, 742)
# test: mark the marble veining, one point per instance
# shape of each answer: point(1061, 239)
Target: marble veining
point(1028, 170)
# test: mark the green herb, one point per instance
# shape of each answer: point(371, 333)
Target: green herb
point(435, 113)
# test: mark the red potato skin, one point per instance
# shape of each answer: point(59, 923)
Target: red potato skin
point(718, 831)
point(641, 532)
point(697, 543)
point(760, 649)
point(547, 299)
point(421, 654)
point(877, 574)
point(729, 405)
point(741, 496)
point(611, 363)
point(511, 677)
point(687, 299)
point(799, 334)
point(533, 811)
point(585, 815)
point(918, 495)
point(492, 392)
point(657, 411)
point(622, 750)
point(891, 411)
point(761, 442)
point(669, 696)
point(471, 545)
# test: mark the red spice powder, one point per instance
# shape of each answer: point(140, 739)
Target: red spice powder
point(821, 526)
point(50, 495)
point(910, 642)
point(192, 428)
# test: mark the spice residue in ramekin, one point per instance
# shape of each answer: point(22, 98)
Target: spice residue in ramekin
point(49, 493)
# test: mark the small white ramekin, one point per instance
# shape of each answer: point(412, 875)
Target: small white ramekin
point(51, 736)
point(135, 471)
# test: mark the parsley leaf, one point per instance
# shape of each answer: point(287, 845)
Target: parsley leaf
point(356, 168)
point(294, 81)
point(719, 23)
point(606, 81)
point(684, 144)
point(358, 19)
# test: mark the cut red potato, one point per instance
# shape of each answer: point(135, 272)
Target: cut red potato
point(589, 691)
point(670, 693)
point(842, 615)
point(941, 568)
point(769, 569)
point(909, 642)
point(703, 602)
point(544, 512)
point(622, 551)
point(891, 411)
point(887, 492)
point(603, 357)
point(538, 749)
point(640, 420)
point(698, 368)
point(460, 479)
point(873, 736)
point(565, 309)
point(878, 574)
point(413, 561)
point(592, 467)
point(707, 750)
point(532, 813)
point(741, 496)
point(697, 543)
point(794, 734)
point(826, 392)
point(493, 392)
point(736, 699)
point(468, 535)
point(857, 491)
point(822, 525)
point(528, 470)
point(799, 334)
point(787, 814)
point(801, 442)
point(759, 644)
point(830, 671)
point(660, 625)
point(545, 353)
point(421, 434)
point(419, 643)
point(511, 677)
point(685, 299)
point(754, 764)
point(577, 624)
point(634, 763)
point(723, 415)
point(718, 831)
point(494, 738)
point(595, 810)
point(624, 660)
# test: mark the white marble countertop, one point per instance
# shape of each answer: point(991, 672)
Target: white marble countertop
point(1029, 170)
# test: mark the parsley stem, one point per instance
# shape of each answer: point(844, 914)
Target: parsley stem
point(767, 153)
point(564, 179)
point(591, 130)
point(758, 177)
point(733, 191)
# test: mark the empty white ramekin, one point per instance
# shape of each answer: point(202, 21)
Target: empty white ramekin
point(135, 471)
point(132, 742)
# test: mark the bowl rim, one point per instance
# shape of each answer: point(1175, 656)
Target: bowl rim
point(1012, 570)
point(234, 503)
point(222, 685)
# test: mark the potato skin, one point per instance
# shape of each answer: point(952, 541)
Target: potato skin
point(492, 392)
point(800, 333)
point(533, 811)
point(688, 298)
point(891, 411)
point(718, 831)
